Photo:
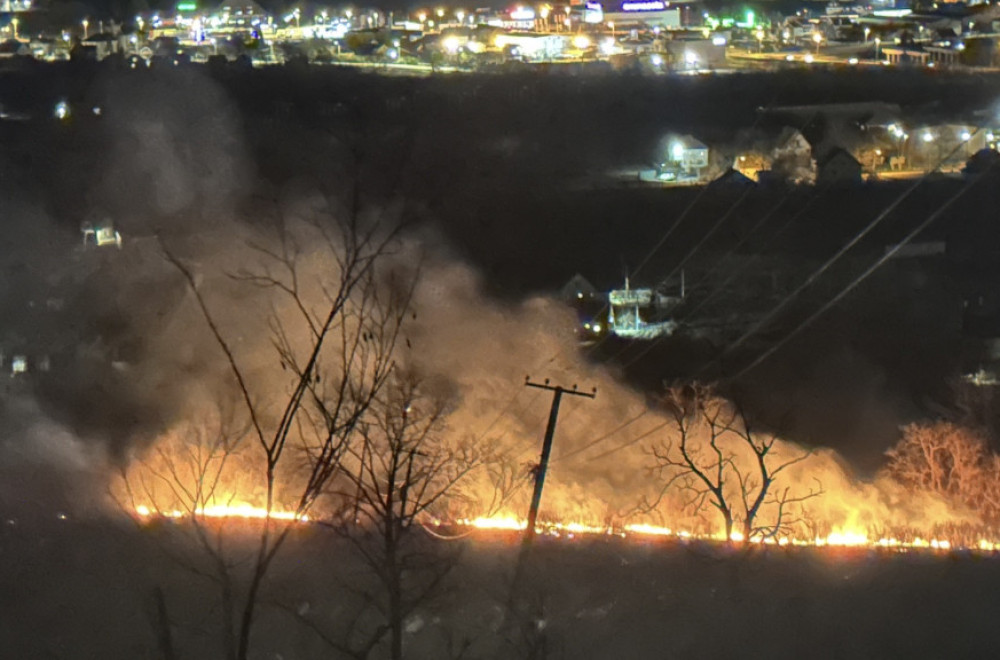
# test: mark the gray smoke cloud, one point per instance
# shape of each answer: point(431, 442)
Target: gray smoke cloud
point(131, 356)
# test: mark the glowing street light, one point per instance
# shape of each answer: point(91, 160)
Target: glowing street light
point(868, 31)
point(460, 15)
point(818, 38)
point(62, 110)
point(422, 16)
point(611, 24)
point(877, 42)
point(85, 24)
point(14, 22)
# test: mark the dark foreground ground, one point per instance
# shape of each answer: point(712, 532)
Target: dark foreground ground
point(86, 590)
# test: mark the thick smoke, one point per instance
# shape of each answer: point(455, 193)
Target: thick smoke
point(133, 363)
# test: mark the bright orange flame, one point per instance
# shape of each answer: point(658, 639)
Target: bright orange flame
point(843, 538)
point(224, 511)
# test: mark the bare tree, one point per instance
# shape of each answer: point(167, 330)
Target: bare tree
point(188, 474)
point(334, 341)
point(401, 474)
point(715, 458)
point(951, 461)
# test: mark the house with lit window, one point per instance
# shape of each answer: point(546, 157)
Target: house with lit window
point(686, 156)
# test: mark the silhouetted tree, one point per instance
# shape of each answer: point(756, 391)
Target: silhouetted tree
point(715, 458)
point(334, 342)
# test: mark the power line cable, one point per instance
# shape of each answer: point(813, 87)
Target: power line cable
point(785, 302)
point(858, 280)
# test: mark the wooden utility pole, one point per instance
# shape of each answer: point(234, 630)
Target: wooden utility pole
point(515, 615)
point(543, 465)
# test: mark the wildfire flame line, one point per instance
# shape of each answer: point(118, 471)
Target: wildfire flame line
point(223, 511)
point(839, 538)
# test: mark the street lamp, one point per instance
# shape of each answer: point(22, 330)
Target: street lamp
point(877, 42)
point(85, 24)
point(13, 22)
point(818, 38)
point(611, 24)
point(868, 31)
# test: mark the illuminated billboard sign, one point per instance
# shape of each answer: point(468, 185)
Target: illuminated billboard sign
point(644, 5)
point(593, 13)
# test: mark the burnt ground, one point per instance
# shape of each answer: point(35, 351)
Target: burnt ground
point(76, 589)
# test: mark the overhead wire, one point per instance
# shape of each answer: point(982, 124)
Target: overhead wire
point(889, 253)
point(736, 272)
point(711, 232)
point(646, 259)
point(851, 243)
point(677, 223)
point(721, 286)
point(631, 442)
point(819, 272)
point(599, 439)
